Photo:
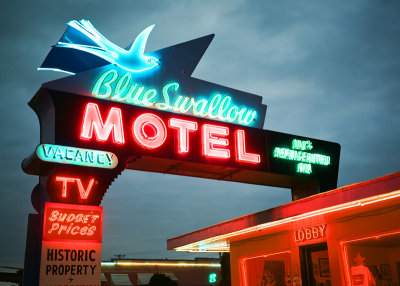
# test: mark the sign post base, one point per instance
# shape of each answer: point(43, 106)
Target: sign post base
point(33, 250)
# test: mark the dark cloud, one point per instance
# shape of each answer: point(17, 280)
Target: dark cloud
point(327, 70)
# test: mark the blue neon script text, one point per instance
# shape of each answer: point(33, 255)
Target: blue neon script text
point(111, 86)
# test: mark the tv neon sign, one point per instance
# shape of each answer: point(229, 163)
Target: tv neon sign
point(299, 153)
point(150, 132)
point(76, 156)
point(72, 222)
point(111, 86)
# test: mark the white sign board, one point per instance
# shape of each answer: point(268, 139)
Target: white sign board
point(72, 264)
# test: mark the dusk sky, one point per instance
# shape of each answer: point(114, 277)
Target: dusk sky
point(325, 69)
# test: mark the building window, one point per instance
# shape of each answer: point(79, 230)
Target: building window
point(266, 269)
point(372, 259)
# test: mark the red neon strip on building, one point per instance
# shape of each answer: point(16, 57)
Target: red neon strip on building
point(183, 127)
point(213, 143)
point(93, 122)
point(360, 203)
point(140, 130)
point(241, 154)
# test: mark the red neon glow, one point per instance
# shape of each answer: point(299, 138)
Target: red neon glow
point(183, 127)
point(212, 142)
point(65, 181)
point(241, 154)
point(83, 193)
point(360, 203)
point(93, 122)
point(146, 124)
point(72, 222)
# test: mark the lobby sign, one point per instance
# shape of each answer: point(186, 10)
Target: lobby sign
point(310, 233)
point(71, 247)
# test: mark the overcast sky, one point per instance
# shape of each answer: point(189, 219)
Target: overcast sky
point(326, 69)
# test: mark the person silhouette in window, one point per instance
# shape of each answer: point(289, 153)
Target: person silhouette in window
point(360, 274)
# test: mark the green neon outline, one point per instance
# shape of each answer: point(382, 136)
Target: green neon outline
point(212, 278)
point(302, 144)
point(304, 168)
point(301, 156)
point(76, 156)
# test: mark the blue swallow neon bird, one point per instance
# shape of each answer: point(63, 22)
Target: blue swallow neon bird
point(83, 44)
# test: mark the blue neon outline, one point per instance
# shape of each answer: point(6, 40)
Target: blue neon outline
point(127, 59)
point(57, 70)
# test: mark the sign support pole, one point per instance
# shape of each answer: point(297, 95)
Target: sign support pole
point(33, 250)
point(304, 191)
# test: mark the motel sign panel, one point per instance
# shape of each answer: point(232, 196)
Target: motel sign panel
point(160, 141)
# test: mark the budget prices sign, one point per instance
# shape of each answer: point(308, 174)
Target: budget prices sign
point(71, 246)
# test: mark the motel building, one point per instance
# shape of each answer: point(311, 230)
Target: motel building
point(347, 236)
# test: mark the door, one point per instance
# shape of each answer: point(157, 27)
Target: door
point(314, 262)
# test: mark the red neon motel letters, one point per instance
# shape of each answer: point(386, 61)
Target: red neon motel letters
point(149, 131)
point(183, 127)
point(92, 122)
point(241, 154)
point(213, 142)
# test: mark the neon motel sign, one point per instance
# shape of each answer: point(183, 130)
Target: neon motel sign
point(123, 108)
point(120, 98)
point(139, 135)
point(149, 131)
